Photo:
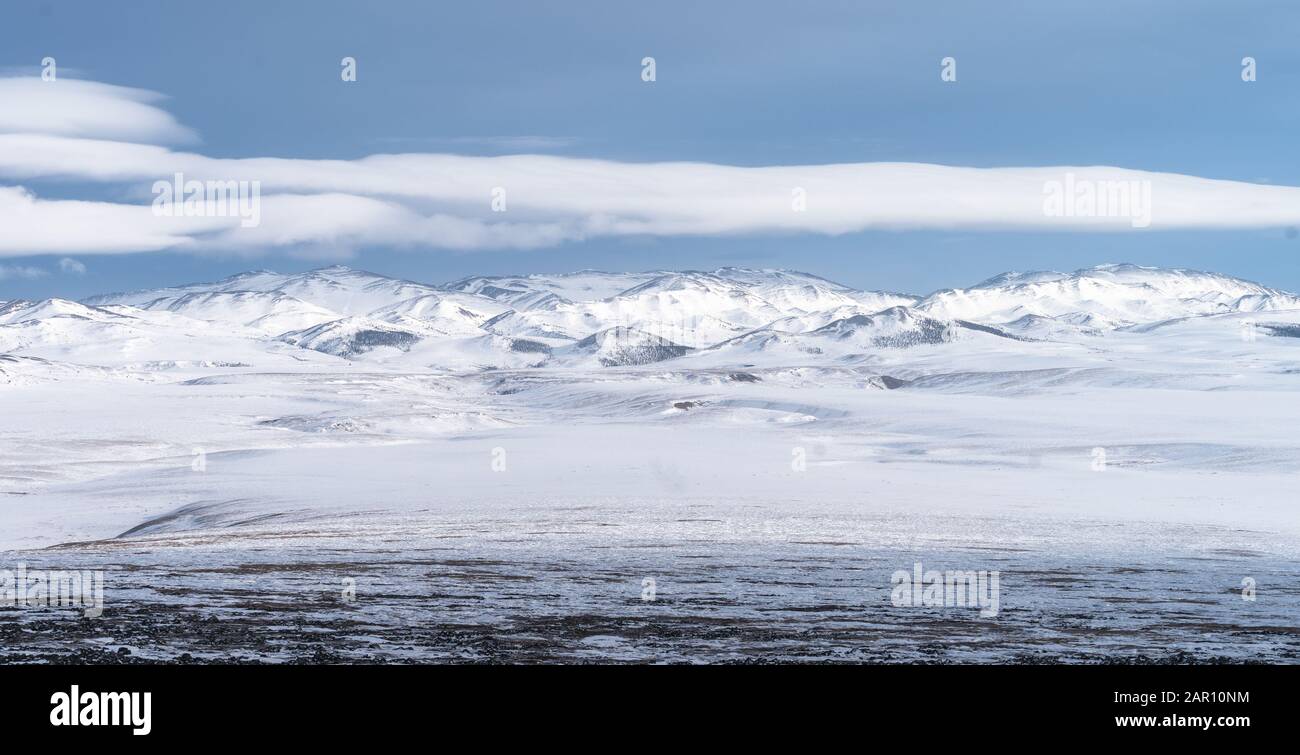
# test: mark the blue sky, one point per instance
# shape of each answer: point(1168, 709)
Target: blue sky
point(1151, 86)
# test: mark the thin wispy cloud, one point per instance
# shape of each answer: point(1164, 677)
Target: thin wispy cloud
point(522, 143)
point(23, 272)
point(71, 266)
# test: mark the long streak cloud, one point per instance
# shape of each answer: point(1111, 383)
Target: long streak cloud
point(87, 134)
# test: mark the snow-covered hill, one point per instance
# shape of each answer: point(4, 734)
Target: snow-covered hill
point(1107, 296)
point(268, 312)
point(20, 311)
point(443, 314)
point(352, 337)
point(338, 289)
point(621, 347)
point(854, 336)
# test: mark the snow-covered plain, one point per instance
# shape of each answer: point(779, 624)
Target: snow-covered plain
point(501, 463)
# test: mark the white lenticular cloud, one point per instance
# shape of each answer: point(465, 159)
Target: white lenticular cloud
point(86, 132)
point(35, 226)
point(71, 107)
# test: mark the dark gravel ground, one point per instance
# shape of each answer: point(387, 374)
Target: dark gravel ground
point(713, 603)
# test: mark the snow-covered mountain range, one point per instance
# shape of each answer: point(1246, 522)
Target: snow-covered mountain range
point(606, 319)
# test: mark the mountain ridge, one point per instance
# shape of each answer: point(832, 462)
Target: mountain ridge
point(623, 319)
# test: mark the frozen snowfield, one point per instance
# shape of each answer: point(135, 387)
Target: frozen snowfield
point(768, 448)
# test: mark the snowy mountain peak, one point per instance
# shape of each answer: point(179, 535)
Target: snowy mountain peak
point(21, 310)
point(1115, 293)
point(1014, 277)
point(776, 277)
point(688, 280)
